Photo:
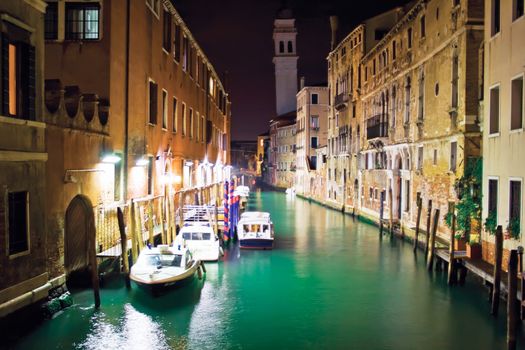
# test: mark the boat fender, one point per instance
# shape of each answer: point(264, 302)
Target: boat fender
point(221, 251)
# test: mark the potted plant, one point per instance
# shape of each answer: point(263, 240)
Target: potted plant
point(474, 247)
point(513, 228)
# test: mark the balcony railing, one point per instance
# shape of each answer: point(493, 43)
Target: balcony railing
point(341, 101)
point(376, 126)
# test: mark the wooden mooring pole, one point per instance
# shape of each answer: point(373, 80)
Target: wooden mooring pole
point(512, 302)
point(123, 246)
point(452, 274)
point(92, 254)
point(418, 220)
point(390, 211)
point(133, 232)
point(381, 212)
point(497, 271)
point(430, 260)
point(427, 236)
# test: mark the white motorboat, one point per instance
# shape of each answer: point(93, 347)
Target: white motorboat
point(255, 231)
point(162, 267)
point(201, 240)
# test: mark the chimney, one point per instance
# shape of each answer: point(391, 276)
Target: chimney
point(333, 25)
point(301, 84)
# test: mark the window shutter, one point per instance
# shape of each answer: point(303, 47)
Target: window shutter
point(4, 95)
point(28, 81)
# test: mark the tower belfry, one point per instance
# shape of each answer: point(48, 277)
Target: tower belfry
point(285, 61)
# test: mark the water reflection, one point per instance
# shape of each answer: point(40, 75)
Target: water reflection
point(134, 330)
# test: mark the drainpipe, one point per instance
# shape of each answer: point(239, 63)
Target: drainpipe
point(126, 105)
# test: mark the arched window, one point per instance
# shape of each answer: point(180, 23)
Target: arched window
point(290, 47)
point(407, 100)
point(281, 46)
point(394, 106)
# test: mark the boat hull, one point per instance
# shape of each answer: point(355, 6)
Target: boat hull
point(256, 243)
point(160, 286)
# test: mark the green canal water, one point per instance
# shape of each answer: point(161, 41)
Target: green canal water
point(330, 283)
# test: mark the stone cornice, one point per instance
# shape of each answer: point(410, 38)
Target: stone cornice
point(39, 5)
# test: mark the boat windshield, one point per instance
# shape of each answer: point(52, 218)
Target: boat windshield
point(196, 236)
point(163, 260)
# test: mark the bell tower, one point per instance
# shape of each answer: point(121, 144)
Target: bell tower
point(285, 61)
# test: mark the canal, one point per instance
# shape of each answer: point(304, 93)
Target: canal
point(331, 282)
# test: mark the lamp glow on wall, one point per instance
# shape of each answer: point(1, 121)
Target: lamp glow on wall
point(110, 158)
point(143, 161)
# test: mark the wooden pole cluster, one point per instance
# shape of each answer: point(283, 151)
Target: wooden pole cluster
point(418, 220)
point(512, 302)
point(452, 274)
point(123, 245)
point(497, 271)
point(427, 236)
point(430, 257)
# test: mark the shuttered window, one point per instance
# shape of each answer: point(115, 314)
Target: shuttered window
point(153, 102)
point(18, 222)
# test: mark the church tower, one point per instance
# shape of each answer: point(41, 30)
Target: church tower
point(285, 61)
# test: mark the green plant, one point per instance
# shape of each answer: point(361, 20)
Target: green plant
point(514, 227)
point(491, 222)
point(468, 207)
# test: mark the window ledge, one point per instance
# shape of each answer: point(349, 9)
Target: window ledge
point(164, 129)
point(17, 121)
point(520, 18)
point(166, 51)
point(494, 135)
point(151, 124)
point(516, 131)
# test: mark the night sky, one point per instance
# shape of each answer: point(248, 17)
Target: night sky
point(236, 35)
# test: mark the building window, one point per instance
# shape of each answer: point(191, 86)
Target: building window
point(198, 133)
point(455, 78)
point(495, 20)
point(407, 100)
point(422, 25)
point(494, 110)
point(164, 109)
point(18, 222)
point(314, 122)
point(394, 106)
point(515, 203)
point(516, 121)
point(166, 31)
point(313, 142)
point(493, 196)
point(281, 46)
point(174, 115)
point(176, 43)
point(183, 114)
point(453, 155)
point(421, 99)
point(82, 21)
point(393, 50)
point(152, 102)
point(191, 123)
point(315, 99)
point(435, 157)
point(185, 53)
point(203, 129)
point(51, 21)
point(517, 8)
point(154, 6)
point(420, 158)
point(409, 37)
point(290, 47)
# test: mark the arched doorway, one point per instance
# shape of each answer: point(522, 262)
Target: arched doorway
point(79, 238)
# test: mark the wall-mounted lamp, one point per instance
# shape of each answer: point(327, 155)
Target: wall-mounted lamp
point(188, 163)
point(143, 161)
point(110, 158)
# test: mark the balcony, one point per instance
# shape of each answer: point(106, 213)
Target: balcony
point(341, 101)
point(376, 127)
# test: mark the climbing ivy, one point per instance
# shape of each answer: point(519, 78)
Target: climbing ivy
point(491, 222)
point(514, 228)
point(468, 207)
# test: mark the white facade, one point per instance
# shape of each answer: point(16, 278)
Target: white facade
point(285, 61)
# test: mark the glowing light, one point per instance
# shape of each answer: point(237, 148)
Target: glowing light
point(111, 158)
point(177, 179)
point(142, 161)
point(188, 163)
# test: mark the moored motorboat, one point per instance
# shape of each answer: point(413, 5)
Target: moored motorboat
point(201, 240)
point(255, 231)
point(162, 267)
